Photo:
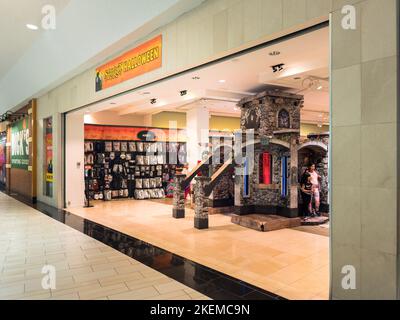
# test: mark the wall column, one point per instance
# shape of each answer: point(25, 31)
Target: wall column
point(75, 160)
point(364, 153)
point(197, 126)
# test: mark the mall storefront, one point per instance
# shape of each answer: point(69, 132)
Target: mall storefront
point(66, 159)
point(18, 153)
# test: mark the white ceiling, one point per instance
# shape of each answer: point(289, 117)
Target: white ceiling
point(304, 57)
point(15, 37)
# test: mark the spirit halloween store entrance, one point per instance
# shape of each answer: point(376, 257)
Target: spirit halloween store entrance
point(155, 163)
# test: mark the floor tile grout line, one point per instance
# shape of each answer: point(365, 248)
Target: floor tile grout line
point(229, 278)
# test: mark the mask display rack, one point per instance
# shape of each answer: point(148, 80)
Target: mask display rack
point(131, 169)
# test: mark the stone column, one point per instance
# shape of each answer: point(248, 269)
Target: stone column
point(178, 211)
point(201, 203)
point(294, 181)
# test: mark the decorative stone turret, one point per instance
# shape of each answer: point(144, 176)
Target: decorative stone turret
point(274, 118)
point(201, 203)
point(178, 211)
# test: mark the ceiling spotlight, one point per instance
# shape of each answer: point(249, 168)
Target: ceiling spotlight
point(222, 81)
point(153, 101)
point(319, 88)
point(278, 67)
point(195, 78)
point(274, 53)
point(32, 27)
point(183, 93)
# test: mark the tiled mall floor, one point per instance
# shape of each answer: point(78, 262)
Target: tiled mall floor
point(85, 268)
point(291, 263)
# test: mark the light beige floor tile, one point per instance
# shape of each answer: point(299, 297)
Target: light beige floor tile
point(85, 268)
point(103, 291)
point(122, 278)
point(139, 294)
point(261, 259)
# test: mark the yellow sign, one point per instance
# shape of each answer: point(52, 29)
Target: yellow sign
point(49, 177)
point(145, 58)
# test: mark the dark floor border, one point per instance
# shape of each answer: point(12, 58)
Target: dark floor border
point(210, 282)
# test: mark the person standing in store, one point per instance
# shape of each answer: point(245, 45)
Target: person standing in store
point(306, 188)
point(315, 180)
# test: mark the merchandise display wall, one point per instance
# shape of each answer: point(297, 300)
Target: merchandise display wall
point(140, 165)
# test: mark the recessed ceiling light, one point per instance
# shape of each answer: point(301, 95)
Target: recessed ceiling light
point(32, 26)
point(221, 81)
point(320, 88)
point(196, 78)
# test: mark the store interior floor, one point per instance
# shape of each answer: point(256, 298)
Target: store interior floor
point(290, 262)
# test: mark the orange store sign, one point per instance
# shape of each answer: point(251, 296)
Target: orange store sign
point(140, 60)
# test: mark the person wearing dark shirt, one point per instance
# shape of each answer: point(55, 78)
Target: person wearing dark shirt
point(306, 194)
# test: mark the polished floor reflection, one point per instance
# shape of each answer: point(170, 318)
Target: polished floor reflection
point(85, 269)
point(289, 263)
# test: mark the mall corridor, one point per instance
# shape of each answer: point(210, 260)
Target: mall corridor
point(85, 268)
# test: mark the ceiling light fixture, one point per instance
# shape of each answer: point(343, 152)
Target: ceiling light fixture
point(195, 78)
point(183, 93)
point(320, 88)
point(222, 81)
point(32, 26)
point(153, 101)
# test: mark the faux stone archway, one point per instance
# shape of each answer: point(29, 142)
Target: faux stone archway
point(313, 144)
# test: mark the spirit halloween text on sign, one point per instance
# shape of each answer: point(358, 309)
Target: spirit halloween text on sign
point(20, 144)
point(145, 58)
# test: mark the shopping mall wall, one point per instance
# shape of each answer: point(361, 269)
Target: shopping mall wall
point(364, 111)
point(364, 151)
point(218, 123)
point(308, 128)
point(113, 118)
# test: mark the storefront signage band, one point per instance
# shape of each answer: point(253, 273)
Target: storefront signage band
point(20, 144)
point(140, 60)
point(95, 132)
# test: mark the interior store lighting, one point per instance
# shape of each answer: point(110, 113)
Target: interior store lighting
point(32, 27)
